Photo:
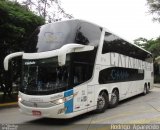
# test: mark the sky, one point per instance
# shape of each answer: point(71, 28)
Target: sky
point(127, 18)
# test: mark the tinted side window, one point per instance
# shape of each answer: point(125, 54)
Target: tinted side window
point(119, 74)
point(115, 44)
point(82, 66)
point(88, 34)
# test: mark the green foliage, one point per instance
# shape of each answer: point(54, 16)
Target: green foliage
point(50, 10)
point(154, 6)
point(16, 25)
point(16, 18)
point(152, 45)
point(141, 42)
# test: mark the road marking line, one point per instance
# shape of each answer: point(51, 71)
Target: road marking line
point(145, 121)
point(107, 127)
point(121, 115)
point(8, 104)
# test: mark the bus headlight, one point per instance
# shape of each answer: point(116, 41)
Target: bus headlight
point(65, 99)
point(58, 101)
point(19, 99)
point(62, 100)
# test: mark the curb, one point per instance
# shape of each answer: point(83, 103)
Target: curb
point(8, 104)
point(157, 85)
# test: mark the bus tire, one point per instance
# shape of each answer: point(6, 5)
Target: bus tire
point(145, 90)
point(148, 87)
point(102, 102)
point(114, 99)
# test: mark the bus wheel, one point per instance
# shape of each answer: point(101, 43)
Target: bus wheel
point(114, 99)
point(145, 90)
point(102, 102)
point(148, 87)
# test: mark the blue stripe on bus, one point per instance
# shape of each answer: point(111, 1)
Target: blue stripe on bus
point(68, 104)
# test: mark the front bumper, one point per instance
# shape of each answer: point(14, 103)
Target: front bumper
point(57, 111)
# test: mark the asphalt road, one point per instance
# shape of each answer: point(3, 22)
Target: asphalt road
point(137, 110)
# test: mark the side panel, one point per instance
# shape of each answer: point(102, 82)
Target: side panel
point(132, 66)
point(90, 95)
point(80, 98)
point(68, 104)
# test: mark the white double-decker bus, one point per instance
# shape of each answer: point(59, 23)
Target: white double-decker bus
point(73, 67)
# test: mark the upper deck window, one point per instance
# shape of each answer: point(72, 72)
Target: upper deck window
point(113, 43)
point(54, 35)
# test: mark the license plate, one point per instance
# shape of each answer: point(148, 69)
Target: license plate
point(36, 113)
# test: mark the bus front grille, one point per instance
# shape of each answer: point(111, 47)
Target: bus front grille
point(37, 104)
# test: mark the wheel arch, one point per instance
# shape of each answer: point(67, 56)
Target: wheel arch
point(145, 84)
point(149, 85)
point(104, 90)
point(116, 88)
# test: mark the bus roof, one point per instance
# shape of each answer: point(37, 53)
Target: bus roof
point(80, 20)
point(108, 31)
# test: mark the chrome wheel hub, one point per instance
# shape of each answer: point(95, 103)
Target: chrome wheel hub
point(101, 102)
point(113, 98)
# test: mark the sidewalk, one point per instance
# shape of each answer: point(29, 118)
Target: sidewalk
point(157, 85)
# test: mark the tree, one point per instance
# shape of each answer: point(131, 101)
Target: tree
point(151, 45)
point(154, 6)
point(50, 10)
point(154, 47)
point(141, 42)
point(16, 24)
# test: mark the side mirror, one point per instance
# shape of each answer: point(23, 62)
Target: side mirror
point(62, 52)
point(9, 57)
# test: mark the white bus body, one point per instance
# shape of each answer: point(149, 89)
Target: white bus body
point(77, 67)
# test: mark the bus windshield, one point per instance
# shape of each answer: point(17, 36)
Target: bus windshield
point(44, 76)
